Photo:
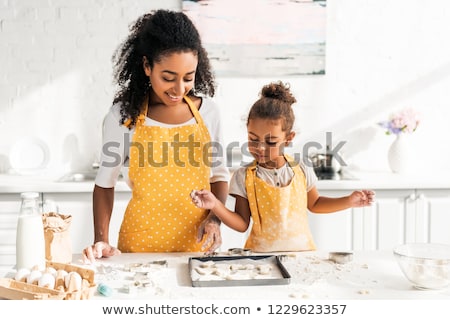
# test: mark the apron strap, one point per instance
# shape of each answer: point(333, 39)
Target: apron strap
point(251, 195)
point(194, 110)
point(141, 118)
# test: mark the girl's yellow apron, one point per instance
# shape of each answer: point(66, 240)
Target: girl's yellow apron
point(166, 164)
point(280, 219)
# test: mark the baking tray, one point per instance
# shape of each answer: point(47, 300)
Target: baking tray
point(278, 273)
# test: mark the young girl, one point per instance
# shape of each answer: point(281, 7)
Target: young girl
point(157, 132)
point(274, 191)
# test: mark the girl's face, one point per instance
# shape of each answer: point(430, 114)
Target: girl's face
point(266, 141)
point(172, 77)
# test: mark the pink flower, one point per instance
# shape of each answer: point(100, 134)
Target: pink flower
point(405, 121)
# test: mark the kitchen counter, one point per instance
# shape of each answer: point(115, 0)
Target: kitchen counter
point(370, 275)
point(350, 181)
point(23, 183)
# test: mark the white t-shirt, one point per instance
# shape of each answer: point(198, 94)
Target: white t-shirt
point(114, 156)
point(276, 177)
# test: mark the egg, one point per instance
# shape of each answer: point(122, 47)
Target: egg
point(73, 281)
point(60, 279)
point(22, 274)
point(34, 276)
point(51, 270)
point(47, 280)
point(36, 267)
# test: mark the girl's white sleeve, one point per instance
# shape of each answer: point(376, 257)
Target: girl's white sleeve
point(310, 174)
point(237, 183)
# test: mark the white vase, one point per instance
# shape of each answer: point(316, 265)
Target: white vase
point(399, 155)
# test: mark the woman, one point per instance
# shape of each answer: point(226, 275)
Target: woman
point(159, 132)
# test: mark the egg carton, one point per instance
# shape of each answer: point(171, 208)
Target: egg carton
point(17, 290)
point(11, 289)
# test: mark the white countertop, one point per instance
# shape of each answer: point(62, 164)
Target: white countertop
point(370, 275)
point(24, 183)
point(359, 180)
point(387, 180)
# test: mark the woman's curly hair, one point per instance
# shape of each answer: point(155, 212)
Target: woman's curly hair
point(275, 103)
point(155, 35)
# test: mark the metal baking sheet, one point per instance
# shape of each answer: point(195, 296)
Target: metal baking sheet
point(278, 274)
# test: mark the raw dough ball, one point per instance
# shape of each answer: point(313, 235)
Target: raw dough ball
point(221, 272)
point(264, 269)
point(237, 267)
point(207, 264)
point(203, 271)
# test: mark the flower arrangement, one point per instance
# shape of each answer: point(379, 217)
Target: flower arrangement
point(405, 121)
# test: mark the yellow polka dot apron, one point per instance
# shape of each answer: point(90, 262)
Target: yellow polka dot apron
point(279, 214)
point(166, 164)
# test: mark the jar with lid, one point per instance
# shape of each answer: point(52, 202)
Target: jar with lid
point(30, 239)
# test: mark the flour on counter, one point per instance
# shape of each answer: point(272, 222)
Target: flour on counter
point(134, 278)
point(310, 271)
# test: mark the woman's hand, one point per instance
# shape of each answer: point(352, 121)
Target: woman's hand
point(362, 198)
point(98, 250)
point(210, 228)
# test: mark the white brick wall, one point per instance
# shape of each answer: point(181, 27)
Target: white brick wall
point(55, 78)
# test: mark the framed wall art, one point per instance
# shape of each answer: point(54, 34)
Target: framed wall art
point(259, 38)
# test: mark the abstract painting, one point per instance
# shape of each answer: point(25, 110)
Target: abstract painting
point(259, 38)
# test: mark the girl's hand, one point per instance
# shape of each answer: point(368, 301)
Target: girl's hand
point(362, 198)
point(98, 250)
point(203, 199)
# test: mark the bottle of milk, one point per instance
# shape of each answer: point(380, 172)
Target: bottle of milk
point(30, 240)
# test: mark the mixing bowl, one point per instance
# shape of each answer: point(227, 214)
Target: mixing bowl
point(425, 265)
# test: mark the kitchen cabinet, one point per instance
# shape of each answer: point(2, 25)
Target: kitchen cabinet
point(9, 212)
point(433, 216)
point(397, 216)
point(232, 238)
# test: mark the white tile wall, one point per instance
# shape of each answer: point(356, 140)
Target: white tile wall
point(55, 79)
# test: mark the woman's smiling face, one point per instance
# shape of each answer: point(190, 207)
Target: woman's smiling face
point(172, 77)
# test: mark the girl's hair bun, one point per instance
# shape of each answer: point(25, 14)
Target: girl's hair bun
point(278, 91)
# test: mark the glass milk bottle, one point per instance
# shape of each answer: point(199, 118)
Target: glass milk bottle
point(30, 240)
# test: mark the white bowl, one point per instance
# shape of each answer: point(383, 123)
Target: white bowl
point(425, 265)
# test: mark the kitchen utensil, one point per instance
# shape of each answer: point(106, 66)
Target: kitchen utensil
point(239, 252)
point(341, 257)
point(425, 265)
point(325, 165)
